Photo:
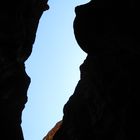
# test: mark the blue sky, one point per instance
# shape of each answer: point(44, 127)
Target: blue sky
point(53, 67)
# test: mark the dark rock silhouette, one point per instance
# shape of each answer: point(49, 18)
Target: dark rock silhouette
point(18, 25)
point(105, 104)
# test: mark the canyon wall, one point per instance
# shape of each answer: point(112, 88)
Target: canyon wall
point(105, 103)
point(18, 25)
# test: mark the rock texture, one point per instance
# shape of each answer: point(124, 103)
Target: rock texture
point(18, 25)
point(105, 104)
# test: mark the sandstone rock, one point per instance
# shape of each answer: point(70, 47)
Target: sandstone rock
point(105, 103)
point(18, 25)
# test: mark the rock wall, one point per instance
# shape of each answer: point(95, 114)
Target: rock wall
point(105, 103)
point(18, 25)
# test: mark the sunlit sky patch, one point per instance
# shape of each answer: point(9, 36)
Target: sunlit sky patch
point(53, 67)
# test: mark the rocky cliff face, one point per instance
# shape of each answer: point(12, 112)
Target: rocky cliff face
point(105, 103)
point(18, 25)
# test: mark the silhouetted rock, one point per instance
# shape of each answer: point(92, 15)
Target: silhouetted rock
point(18, 25)
point(105, 104)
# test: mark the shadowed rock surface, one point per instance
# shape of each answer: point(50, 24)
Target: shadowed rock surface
point(18, 25)
point(105, 104)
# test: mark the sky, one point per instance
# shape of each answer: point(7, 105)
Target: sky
point(53, 68)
